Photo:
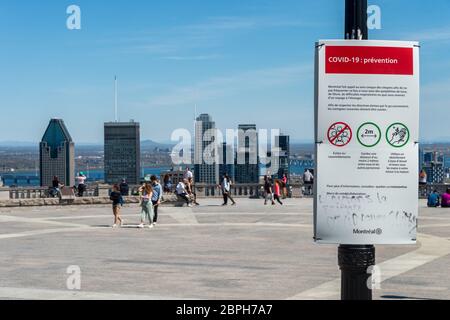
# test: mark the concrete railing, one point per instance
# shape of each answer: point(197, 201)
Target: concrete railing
point(39, 193)
point(202, 191)
point(243, 191)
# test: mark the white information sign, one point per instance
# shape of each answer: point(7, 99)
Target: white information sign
point(367, 131)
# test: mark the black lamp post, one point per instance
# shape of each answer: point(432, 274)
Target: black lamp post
point(355, 260)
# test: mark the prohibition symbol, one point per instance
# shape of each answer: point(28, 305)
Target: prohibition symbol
point(340, 134)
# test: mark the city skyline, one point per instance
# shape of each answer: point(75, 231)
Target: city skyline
point(227, 58)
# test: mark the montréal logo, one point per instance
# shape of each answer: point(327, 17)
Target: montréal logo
point(377, 232)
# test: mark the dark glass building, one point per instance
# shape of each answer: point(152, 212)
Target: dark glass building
point(57, 155)
point(227, 159)
point(122, 152)
point(247, 162)
point(283, 143)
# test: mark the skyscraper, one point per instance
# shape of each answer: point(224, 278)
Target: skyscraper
point(247, 166)
point(278, 158)
point(206, 170)
point(283, 143)
point(57, 155)
point(227, 159)
point(122, 152)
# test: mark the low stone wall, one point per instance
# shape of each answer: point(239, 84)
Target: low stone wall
point(170, 200)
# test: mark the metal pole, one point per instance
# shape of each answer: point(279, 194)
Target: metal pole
point(116, 111)
point(355, 260)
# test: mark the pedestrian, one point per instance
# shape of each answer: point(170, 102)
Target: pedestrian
point(182, 192)
point(117, 203)
point(277, 191)
point(308, 180)
point(423, 178)
point(284, 182)
point(81, 186)
point(147, 211)
point(446, 199)
point(268, 191)
point(167, 184)
point(157, 196)
point(226, 190)
point(124, 188)
point(190, 188)
point(188, 174)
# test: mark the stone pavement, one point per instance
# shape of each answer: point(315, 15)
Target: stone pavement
point(250, 251)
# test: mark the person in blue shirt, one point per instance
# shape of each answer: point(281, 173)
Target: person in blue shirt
point(434, 199)
point(157, 196)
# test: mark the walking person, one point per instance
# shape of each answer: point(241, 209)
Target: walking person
point(117, 202)
point(308, 180)
point(167, 184)
point(226, 190)
point(157, 196)
point(147, 211)
point(423, 179)
point(277, 191)
point(284, 182)
point(81, 186)
point(268, 191)
point(188, 174)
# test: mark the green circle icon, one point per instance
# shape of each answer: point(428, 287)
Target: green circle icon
point(397, 135)
point(369, 134)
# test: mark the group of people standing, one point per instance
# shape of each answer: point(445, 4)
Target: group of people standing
point(275, 190)
point(150, 196)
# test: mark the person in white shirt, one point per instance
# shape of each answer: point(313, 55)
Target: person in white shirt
point(308, 180)
point(188, 174)
point(226, 190)
point(182, 192)
point(81, 179)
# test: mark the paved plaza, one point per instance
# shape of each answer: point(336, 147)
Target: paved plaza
point(250, 251)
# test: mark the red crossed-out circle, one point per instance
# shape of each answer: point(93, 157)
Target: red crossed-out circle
point(340, 134)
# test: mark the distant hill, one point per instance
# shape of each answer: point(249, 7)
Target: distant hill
point(150, 144)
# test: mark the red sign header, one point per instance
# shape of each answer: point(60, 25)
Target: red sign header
point(369, 60)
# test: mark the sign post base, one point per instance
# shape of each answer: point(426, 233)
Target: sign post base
point(354, 262)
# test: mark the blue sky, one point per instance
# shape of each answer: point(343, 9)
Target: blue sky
point(241, 61)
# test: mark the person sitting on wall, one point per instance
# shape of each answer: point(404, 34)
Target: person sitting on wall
point(446, 199)
point(182, 192)
point(55, 190)
point(434, 199)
